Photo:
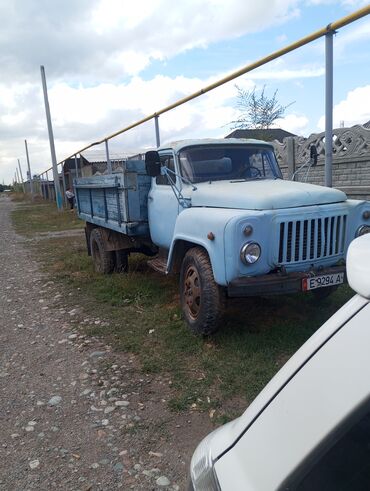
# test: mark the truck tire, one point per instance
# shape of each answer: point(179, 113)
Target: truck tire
point(202, 300)
point(103, 260)
point(121, 261)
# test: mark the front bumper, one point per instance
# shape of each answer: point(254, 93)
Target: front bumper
point(276, 283)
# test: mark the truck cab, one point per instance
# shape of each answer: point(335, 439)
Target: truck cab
point(223, 207)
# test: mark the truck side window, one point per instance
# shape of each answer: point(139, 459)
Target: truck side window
point(168, 161)
point(345, 466)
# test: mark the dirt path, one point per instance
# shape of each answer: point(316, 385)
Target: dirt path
point(73, 414)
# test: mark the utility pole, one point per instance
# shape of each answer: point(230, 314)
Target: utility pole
point(329, 108)
point(20, 171)
point(16, 171)
point(58, 196)
point(29, 168)
point(157, 134)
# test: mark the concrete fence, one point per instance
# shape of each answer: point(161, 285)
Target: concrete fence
point(351, 159)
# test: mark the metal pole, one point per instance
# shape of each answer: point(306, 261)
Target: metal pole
point(29, 168)
point(329, 108)
point(64, 186)
point(157, 136)
point(58, 196)
point(47, 185)
point(42, 185)
point(109, 163)
point(76, 165)
point(20, 171)
point(16, 170)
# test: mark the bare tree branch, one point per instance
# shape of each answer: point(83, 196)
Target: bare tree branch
point(257, 111)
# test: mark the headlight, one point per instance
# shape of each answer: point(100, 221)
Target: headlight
point(250, 252)
point(364, 229)
point(201, 467)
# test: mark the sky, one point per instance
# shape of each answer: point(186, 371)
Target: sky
point(110, 63)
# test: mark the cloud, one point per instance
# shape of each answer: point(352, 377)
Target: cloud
point(287, 74)
point(359, 33)
point(355, 109)
point(106, 40)
point(295, 123)
point(350, 4)
point(82, 115)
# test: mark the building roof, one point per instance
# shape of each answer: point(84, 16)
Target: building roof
point(260, 134)
point(367, 125)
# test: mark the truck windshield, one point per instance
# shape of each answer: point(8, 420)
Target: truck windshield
point(228, 162)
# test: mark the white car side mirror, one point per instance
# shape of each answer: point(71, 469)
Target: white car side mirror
point(358, 265)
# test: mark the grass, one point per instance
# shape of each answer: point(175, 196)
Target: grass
point(40, 216)
point(224, 372)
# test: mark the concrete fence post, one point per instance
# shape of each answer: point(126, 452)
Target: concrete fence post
point(290, 156)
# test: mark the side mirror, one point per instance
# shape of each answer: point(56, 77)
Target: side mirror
point(358, 265)
point(313, 154)
point(152, 163)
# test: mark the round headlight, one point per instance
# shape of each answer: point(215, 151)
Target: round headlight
point(250, 252)
point(364, 229)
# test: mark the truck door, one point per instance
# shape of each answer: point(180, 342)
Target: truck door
point(163, 206)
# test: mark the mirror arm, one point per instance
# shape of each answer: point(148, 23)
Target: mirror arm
point(178, 195)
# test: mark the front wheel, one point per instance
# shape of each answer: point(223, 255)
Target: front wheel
point(202, 300)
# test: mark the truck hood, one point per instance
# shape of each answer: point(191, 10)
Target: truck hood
point(266, 194)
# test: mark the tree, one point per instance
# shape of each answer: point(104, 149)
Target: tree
point(257, 111)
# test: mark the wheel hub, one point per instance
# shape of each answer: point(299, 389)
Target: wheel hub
point(192, 292)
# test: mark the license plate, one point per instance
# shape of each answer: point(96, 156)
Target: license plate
point(322, 281)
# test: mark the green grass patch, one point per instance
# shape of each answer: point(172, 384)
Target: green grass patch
point(37, 217)
point(224, 372)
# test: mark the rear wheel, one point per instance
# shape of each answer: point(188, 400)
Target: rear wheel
point(121, 261)
point(202, 300)
point(103, 260)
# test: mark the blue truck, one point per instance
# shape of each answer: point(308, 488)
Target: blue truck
point(219, 214)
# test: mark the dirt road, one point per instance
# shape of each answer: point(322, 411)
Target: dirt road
point(74, 415)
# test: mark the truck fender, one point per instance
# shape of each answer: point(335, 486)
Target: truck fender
point(179, 247)
point(204, 227)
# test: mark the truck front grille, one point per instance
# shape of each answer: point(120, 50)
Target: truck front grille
point(315, 238)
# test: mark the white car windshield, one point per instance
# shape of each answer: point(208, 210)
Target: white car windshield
point(228, 162)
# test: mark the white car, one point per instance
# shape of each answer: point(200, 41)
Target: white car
point(309, 429)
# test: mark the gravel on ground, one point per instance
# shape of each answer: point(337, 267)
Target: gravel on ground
point(75, 414)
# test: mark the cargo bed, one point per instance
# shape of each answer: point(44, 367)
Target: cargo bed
point(117, 201)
